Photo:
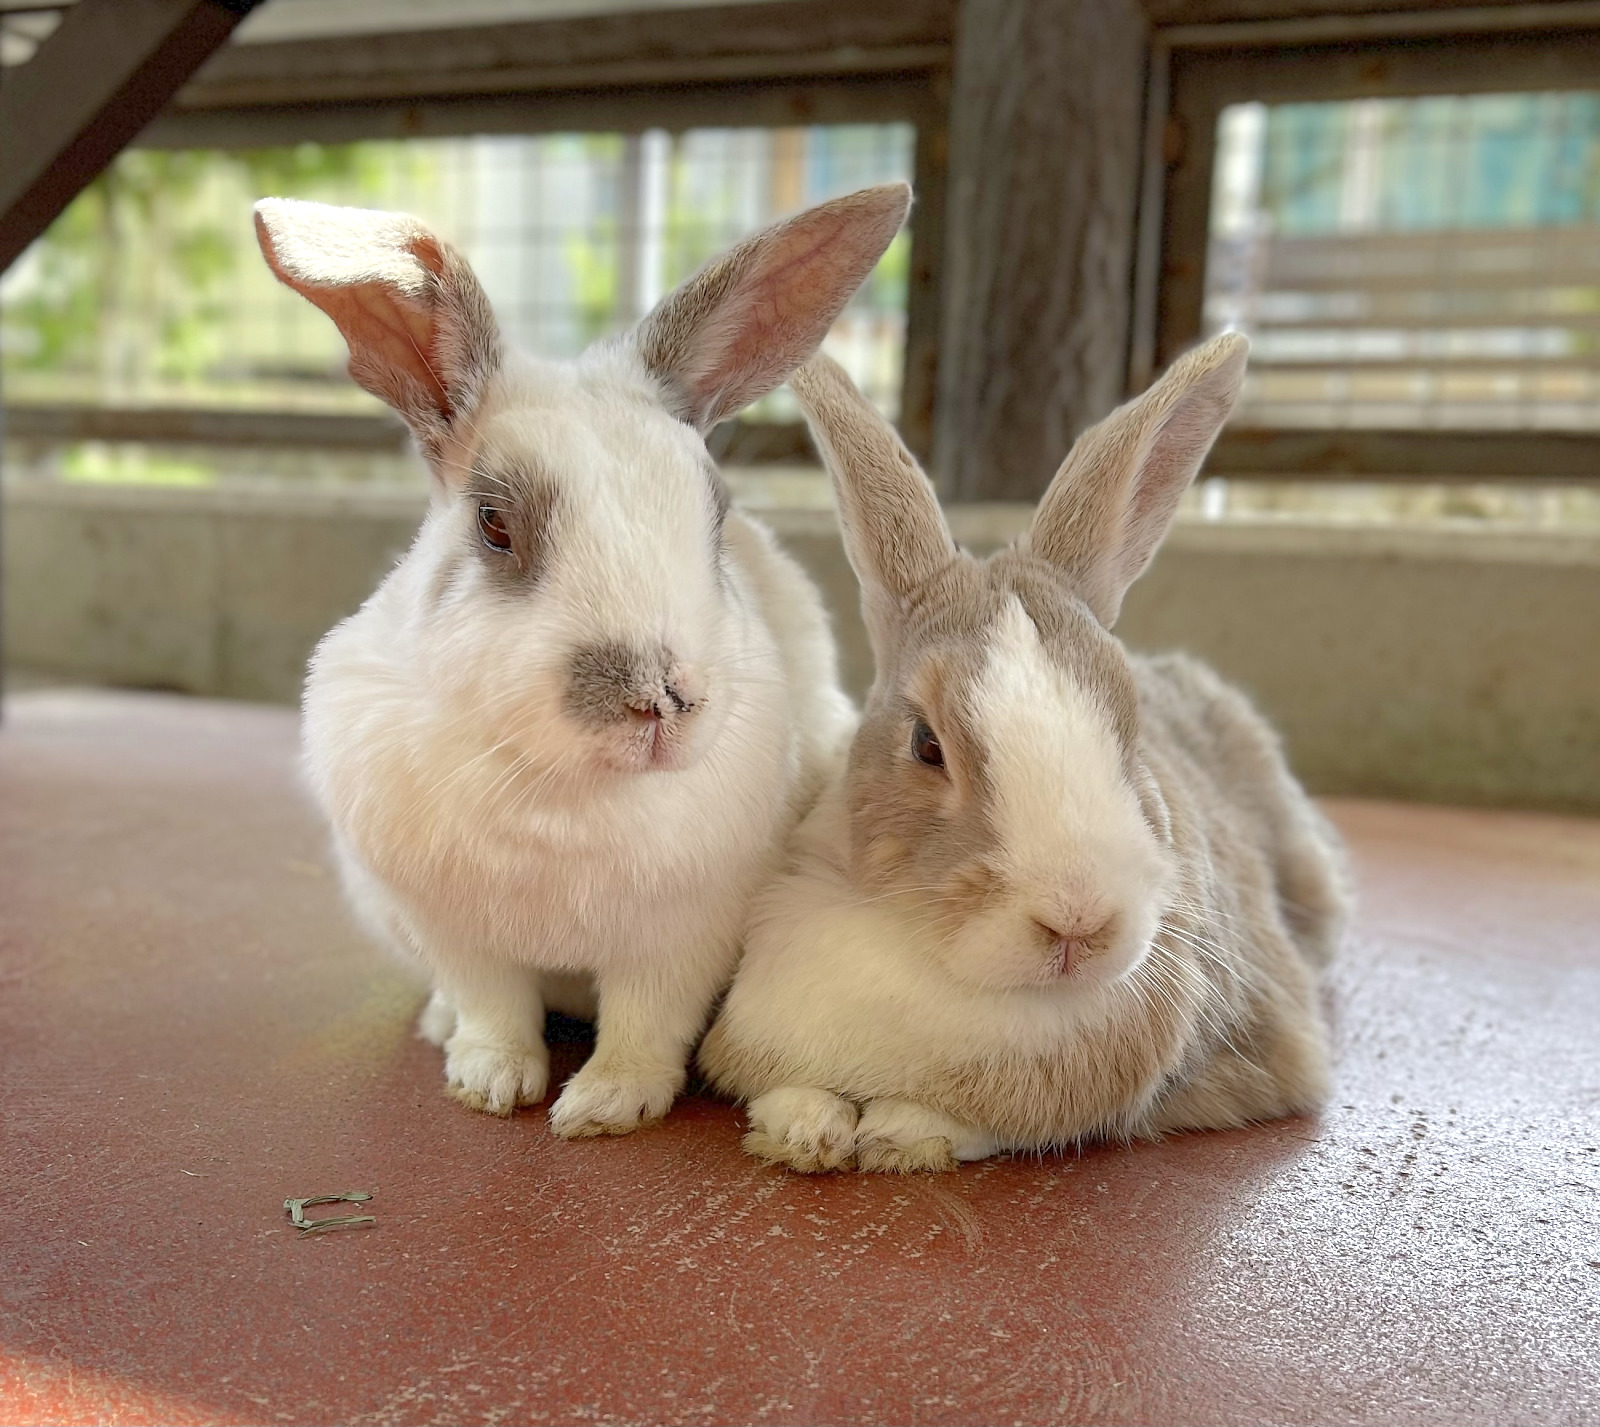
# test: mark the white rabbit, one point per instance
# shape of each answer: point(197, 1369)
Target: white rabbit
point(1061, 891)
point(571, 730)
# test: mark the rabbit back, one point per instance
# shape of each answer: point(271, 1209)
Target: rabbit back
point(1261, 902)
point(1232, 762)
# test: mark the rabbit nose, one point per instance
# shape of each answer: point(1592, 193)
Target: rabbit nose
point(683, 688)
point(612, 682)
point(1071, 940)
point(669, 703)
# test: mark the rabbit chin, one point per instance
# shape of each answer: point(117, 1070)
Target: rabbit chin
point(649, 748)
point(653, 745)
point(1005, 949)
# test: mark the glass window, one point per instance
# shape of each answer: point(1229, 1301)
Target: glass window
point(1412, 263)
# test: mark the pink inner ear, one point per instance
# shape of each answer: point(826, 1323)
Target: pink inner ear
point(384, 331)
point(391, 330)
point(780, 298)
point(403, 335)
point(730, 335)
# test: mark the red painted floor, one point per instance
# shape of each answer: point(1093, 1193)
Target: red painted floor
point(191, 1031)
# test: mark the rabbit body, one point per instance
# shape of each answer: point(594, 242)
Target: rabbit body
point(455, 854)
point(1085, 899)
point(563, 743)
point(837, 992)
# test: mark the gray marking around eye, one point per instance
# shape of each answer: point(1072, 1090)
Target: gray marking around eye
point(529, 502)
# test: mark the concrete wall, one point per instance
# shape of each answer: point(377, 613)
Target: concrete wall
point(1449, 666)
point(204, 591)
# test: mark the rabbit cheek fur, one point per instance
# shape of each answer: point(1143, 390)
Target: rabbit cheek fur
point(1101, 917)
point(562, 742)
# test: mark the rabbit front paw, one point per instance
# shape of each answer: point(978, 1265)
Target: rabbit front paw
point(437, 1023)
point(902, 1137)
point(809, 1130)
point(494, 1077)
point(597, 1102)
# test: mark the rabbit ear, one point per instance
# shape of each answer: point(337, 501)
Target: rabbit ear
point(894, 532)
point(419, 327)
point(1118, 490)
point(737, 329)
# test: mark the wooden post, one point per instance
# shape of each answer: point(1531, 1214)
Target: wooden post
point(1046, 118)
point(919, 390)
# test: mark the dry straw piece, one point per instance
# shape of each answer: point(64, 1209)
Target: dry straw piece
point(297, 1216)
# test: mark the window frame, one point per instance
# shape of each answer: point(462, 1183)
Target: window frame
point(820, 62)
point(1198, 71)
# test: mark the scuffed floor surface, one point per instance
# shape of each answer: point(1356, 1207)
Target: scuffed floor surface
point(191, 1031)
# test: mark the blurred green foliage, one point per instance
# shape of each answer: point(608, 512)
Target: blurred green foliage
point(149, 288)
point(133, 278)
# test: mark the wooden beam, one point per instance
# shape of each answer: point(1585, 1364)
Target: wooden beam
point(1150, 230)
point(205, 426)
point(99, 78)
point(1242, 453)
point(737, 442)
point(1185, 161)
point(859, 99)
point(1046, 120)
point(1421, 16)
point(1275, 71)
point(1261, 453)
point(722, 44)
point(919, 384)
point(760, 443)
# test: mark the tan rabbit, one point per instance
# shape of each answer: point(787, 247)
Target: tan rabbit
point(1061, 891)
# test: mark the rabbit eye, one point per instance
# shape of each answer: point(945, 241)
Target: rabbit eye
point(492, 528)
point(925, 747)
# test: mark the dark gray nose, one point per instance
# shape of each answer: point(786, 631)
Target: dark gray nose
point(609, 683)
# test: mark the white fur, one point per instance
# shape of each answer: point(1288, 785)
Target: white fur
point(795, 1125)
point(1075, 849)
point(485, 833)
point(577, 765)
point(900, 1135)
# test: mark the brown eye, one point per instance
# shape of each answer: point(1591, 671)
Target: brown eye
point(925, 747)
point(492, 527)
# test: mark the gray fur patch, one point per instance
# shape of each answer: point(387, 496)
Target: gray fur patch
point(608, 681)
point(529, 503)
